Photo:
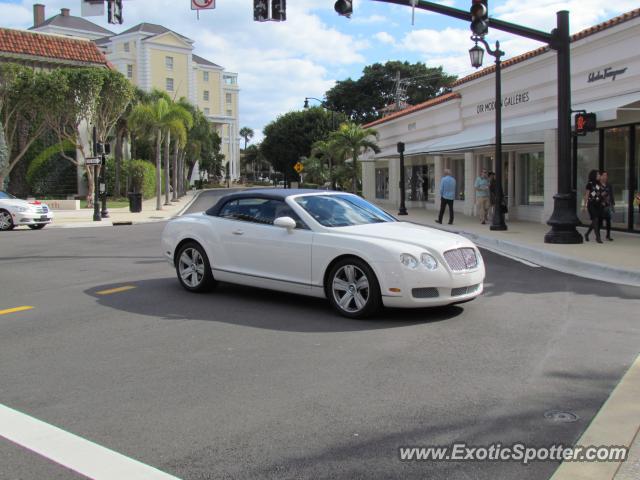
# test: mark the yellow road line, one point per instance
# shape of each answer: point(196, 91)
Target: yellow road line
point(14, 310)
point(116, 290)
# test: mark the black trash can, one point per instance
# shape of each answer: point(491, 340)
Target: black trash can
point(135, 202)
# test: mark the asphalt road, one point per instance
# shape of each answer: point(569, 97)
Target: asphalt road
point(244, 383)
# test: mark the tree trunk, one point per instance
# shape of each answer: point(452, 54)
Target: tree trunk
point(118, 162)
point(158, 171)
point(355, 174)
point(91, 184)
point(167, 161)
point(174, 177)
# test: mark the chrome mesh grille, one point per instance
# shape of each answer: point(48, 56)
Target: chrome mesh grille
point(458, 292)
point(461, 259)
point(430, 292)
point(42, 209)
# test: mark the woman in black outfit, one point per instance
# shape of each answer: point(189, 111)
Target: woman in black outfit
point(593, 203)
point(608, 201)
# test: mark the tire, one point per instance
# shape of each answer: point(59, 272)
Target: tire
point(353, 289)
point(37, 226)
point(193, 268)
point(6, 222)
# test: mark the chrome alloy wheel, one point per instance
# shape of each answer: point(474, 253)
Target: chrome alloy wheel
point(6, 222)
point(191, 267)
point(350, 289)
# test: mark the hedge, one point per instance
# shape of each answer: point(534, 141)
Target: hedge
point(142, 176)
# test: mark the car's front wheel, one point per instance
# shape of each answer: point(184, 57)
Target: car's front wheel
point(353, 288)
point(193, 268)
point(6, 222)
point(37, 226)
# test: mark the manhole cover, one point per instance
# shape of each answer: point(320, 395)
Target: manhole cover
point(560, 416)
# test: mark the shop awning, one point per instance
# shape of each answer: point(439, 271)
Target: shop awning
point(607, 108)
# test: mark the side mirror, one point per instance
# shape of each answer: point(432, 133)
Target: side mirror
point(285, 222)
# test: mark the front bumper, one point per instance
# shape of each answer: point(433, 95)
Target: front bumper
point(421, 288)
point(32, 218)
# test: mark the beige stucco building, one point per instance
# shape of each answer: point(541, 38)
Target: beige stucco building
point(155, 57)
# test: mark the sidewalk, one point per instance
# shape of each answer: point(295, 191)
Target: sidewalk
point(84, 217)
point(616, 262)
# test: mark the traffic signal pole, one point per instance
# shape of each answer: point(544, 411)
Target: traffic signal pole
point(563, 220)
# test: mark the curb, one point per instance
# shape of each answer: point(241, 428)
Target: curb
point(616, 424)
point(554, 261)
point(186, 207)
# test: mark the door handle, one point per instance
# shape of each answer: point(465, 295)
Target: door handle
point(238, 232)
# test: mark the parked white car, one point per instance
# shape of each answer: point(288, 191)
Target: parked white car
point(15, 212)
point(324, 244)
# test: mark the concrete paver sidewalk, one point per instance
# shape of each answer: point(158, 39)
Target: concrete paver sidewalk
point(617, 261)
point(84, 217)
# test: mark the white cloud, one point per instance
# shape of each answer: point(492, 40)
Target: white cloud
point(369, 20)
point(384, 37)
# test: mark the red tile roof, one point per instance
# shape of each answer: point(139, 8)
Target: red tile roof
point(539, 51)
point(46, 46)
point(421, 106)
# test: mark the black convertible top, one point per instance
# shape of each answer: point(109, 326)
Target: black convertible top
point(267, 193)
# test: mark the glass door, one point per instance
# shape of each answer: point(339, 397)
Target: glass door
point(617, 163)
point(635, 214)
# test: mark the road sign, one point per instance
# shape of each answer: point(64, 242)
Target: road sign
point(202, 4)
point(298, 167)
point(93, 160)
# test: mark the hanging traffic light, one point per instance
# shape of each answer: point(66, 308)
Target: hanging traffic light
point(278, 10)
point(114, 11)
point(260, 11)
point(479, 17)
point(344, 7)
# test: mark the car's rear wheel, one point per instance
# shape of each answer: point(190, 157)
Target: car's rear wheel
point(353, 288)
point(6, 222)
point(193, 268)
point(37, 226)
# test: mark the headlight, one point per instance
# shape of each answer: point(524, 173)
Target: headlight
point(409, 261)
point(23, 209)
point(428, 261)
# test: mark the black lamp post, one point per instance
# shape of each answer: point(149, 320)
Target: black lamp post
point(403, 209)
point(476, 54)
point(333, 126)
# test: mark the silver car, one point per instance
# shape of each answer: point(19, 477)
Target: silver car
point(15, 212)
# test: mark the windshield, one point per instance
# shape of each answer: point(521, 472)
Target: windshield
point(342, 210)
point(4, 195)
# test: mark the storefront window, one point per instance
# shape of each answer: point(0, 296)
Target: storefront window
point(636, 212)
point(382, 183)
point(419, 183)
point(457, 170)
point(616, 163)
point(532, 179)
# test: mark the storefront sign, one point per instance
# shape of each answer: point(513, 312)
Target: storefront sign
point(608, 72)
point(508, 101)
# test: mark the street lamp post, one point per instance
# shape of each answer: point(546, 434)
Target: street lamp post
point(476, 54)
point(403, 209)
point(333, 126)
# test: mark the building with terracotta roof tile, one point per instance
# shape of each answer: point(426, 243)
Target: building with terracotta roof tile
point(456, 130)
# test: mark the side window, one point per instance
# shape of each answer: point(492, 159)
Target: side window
point(229, 210)
point(259, 210)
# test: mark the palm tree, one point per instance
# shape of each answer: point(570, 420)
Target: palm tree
point(246, 133)
point(158, 117)
point(353, 140)
point(330, 152)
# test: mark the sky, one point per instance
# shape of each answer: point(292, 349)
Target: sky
point(281, 63)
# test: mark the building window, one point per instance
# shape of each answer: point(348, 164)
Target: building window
point(382, 183)
point(205, 76)
point(169, 84)
point(532, 178)
point(229, 80)
point(129, 71)
point(229, 98)
point(168, 61)
point(205, 95)
point(206, 111)
point(126, 47)
point(229, 113)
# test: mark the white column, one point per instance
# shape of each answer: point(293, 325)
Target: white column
point(550, 171)
point(369, 180)
point(511, 176)
point(469, 179)
point(394, 181)
point(438, 167)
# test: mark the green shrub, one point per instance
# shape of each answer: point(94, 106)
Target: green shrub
point(141, 175)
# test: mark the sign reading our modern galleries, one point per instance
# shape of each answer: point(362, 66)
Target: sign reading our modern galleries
point(507, 101)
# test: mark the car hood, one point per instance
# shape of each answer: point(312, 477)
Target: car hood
point(15, 202)
point(410, 234)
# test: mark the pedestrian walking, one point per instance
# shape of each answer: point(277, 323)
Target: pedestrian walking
point(593, 203)
point(609, 202)
point(482, 196)
point(447, 195)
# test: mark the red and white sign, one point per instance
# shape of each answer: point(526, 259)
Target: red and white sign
point(203, 4)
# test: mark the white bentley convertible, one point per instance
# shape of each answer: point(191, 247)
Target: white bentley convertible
point(324, 244)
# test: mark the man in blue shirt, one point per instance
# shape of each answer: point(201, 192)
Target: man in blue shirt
point(447, 195)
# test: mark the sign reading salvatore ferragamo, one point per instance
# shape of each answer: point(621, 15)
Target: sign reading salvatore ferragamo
point(507, 101)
